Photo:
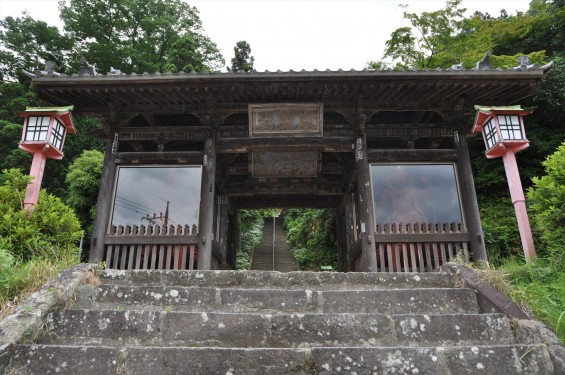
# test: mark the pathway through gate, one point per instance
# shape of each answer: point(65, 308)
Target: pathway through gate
point(263, 253)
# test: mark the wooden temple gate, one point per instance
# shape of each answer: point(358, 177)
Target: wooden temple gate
point(386, 150)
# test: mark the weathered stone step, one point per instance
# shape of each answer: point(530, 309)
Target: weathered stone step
point(140, 360)
point(380, 301)
point(270, 279)
point(162, 328)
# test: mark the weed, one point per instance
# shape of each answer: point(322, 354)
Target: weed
point(28, 277)
point(537, 287)
point(91, 278)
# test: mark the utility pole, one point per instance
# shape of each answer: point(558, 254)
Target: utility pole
point(164, 218)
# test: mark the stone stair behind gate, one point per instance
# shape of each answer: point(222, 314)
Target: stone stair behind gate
point(265, 250)
point(256, 322)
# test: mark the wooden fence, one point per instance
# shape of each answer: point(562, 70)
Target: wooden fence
point(151, 247)
point(419, 247)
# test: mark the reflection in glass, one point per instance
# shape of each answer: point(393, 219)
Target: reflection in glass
point(415, 193)
point(157, 196)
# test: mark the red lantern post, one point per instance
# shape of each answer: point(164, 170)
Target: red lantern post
point(504, 135)
point(45, 130)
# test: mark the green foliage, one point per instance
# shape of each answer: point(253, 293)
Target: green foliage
point(311, 233)
point(251, 226)
point(7, 262)
point(541, 288)
point(502, 238)
point(48, 229)
point(57, 170)
point(34, 245)
point(83, 180)
point(542, 27)
point(10, 155)
point(242, 61)
point(431, 33)
point(26, 43)
point(139, 35)
point(14, 98)
point(547, 203)
point(23, 278)
point(377, 65)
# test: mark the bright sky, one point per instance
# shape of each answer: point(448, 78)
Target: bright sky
point(296, 34)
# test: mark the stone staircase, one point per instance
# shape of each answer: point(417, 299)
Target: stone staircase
point(245, 322)
point(263, 253)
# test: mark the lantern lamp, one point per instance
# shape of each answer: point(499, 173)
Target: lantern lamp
point(502, 128)
point(43, 136)
point(504, 135)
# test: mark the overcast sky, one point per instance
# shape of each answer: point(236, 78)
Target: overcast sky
point(296, 34)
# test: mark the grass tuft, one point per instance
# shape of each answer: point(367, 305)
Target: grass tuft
point(537, 287)
point(24, 278)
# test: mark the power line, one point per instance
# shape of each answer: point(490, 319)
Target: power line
point(135, 203)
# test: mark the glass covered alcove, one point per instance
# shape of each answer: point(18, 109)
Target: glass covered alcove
point(154, 220)
point(157, 195)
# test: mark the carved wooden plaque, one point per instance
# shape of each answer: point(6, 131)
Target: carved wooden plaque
point(276, 120)
point(284, 163)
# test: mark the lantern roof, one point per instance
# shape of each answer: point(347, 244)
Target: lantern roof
point(63, 113)
point(484, 113)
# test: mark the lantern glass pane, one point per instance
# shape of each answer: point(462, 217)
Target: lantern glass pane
point(142, 194)
point(510, 127)
point(57, 135)
point(37, 128)
point(490, 133)
point(415, 194)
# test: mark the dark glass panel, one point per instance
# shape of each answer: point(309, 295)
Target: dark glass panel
point(415, 193)
point(143, 193)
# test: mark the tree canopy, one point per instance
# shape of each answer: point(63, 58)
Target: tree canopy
point(139, 35)
point(242, 61)
point(129, 35)
point(26, 43)
point(431, 34)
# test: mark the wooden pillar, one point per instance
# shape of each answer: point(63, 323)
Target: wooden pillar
point(469, 199)
point(104, 203)
point(206, 216)
point(340, 237)
point(349, 230)
point(366, 216)
point(233, 240)
point(236, 236)
point(224, 230)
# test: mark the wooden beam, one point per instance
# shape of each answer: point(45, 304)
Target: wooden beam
point(184, 157)
point(167, 133)
point(286, 201)
point(224, 146)
point(388, 155)
point(252, 188)
point(142, 240)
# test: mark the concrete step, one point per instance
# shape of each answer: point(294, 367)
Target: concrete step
point(273, 280)
point(162, 328)
point(263, 252)
point(140, 360)
point(379, 301)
